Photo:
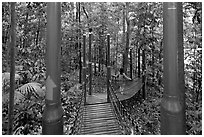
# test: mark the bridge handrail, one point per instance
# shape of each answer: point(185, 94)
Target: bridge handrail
point(127, 122)
point(80, 108)
point(77, 123)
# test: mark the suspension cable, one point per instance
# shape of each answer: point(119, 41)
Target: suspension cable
point(127, 122)
point(80, 108)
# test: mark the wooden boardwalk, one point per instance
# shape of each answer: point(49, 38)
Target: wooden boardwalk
point(96, 98)
point(99, 119)
point(98, 115)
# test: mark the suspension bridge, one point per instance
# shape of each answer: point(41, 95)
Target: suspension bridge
point(98, 116)
point(104, 113)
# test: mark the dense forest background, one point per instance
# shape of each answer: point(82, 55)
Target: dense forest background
point(131, 26)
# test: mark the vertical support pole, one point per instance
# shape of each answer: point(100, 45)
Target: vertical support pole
point(84, 67)
point(138, 62)
point(52, 123)
point(131, 64)
point(173, 102)
point(90, 65)
point(144, 72)
point(108, 68)
point(12, 69)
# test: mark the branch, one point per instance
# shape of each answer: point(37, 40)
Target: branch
point(85, 12)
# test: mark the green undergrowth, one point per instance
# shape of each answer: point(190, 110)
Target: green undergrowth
point(99, 84)
point(28, 111)
point(147, 113)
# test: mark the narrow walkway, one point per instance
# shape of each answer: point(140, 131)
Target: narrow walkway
point(96, 98)
point(99, 119)
point(98, 115)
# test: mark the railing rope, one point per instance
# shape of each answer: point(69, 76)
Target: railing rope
point(127, 122)
point(78, 120)
point(80, 108)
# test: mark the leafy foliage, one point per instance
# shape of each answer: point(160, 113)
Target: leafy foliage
point(146, 32)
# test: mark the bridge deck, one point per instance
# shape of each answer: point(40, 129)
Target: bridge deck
point(96, 98)
point(99, 119)
point(98, 115)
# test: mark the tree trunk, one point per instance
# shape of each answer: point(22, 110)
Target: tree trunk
point(135, 62)
point(79, 41)
point(95, 57)
point(25, 40)
point(123, 37)
point(127, 38)
point(160, 62)
point(138, 53)
point(12, 69)
point(37, 33)
point(144, 74)
point(131, 64)
point(153, 70)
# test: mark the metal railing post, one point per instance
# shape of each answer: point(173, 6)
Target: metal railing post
point(108, 68)
point(90, 65)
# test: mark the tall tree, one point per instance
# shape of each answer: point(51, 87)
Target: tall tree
point(12, 69)
point(123, 36)
point(127, 43)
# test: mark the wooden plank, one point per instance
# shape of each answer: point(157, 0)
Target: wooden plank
point(115, 132)
point(99, 104)
point(99, 119)
point(101, 124)
point(87, 128)
point(97, 115)
point(97, 110)
point(100, 129)
point(97, 98)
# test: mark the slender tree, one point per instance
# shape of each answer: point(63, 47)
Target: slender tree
point(79, 40)
point(138, 61)
point(26, 29)
point(123, 36)
point(144, 73)
point(131, 65)
point(84, 67)
point(127, 43)
point(12, 68)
